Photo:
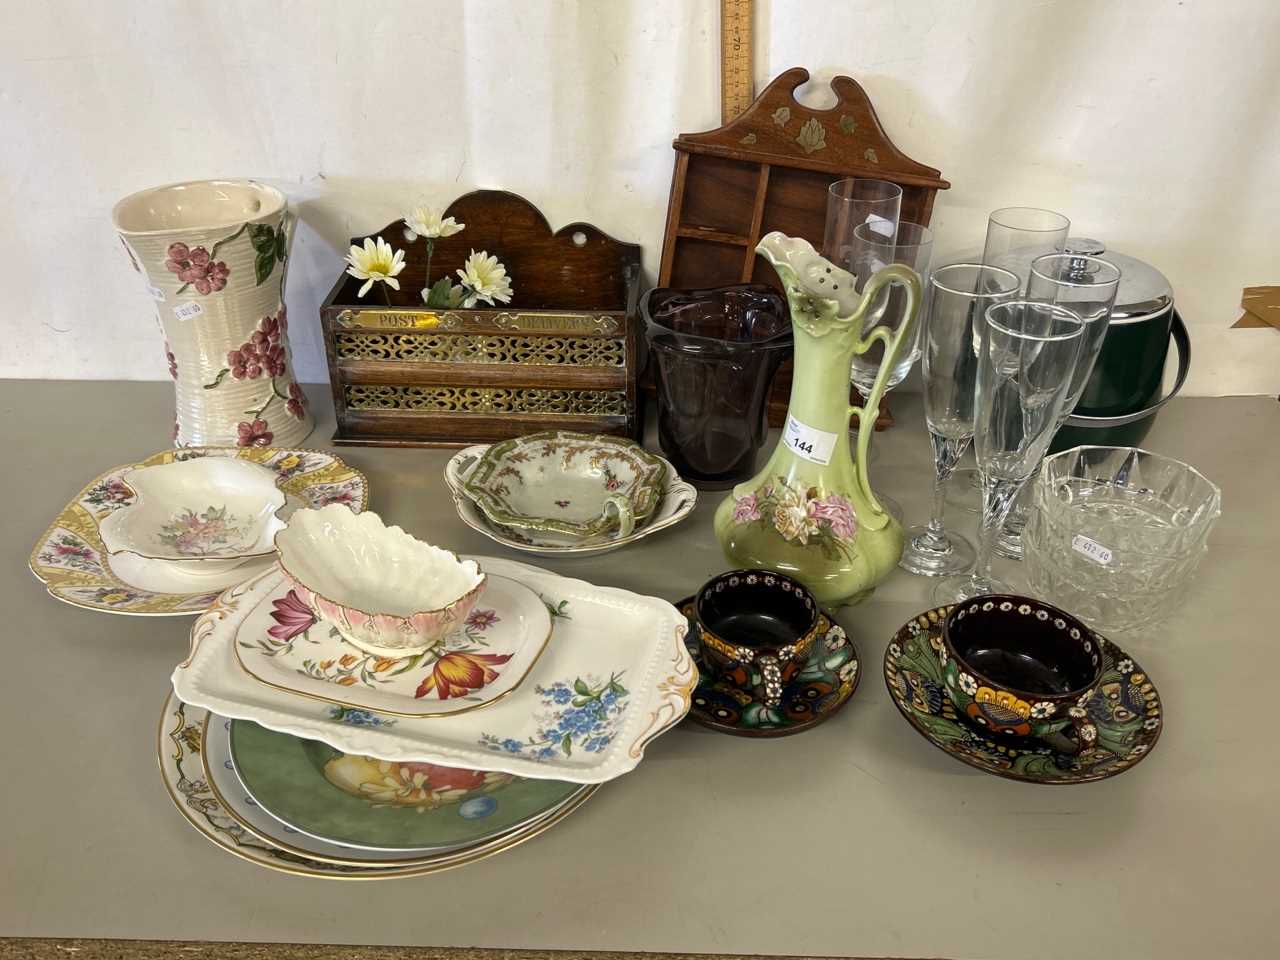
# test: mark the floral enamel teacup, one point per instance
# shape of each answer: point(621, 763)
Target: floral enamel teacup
point(1019, 667)
point(755, 628)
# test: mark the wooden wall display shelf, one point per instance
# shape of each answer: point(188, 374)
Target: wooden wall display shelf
point(769, 169)
point(564, 354)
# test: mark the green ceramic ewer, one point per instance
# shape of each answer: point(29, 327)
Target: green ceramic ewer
point(811, 513)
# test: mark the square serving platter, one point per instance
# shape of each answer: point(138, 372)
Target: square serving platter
point(615, 675)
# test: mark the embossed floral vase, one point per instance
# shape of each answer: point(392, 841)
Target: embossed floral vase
point(811, 513)
point(211, 255)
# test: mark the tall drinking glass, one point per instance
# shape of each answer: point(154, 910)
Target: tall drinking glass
point(1087, 285)
point(911, 245)
point(959, 295)
point(1018, 235)
point(853, 202)
point(873, 249)
point(1026, 354)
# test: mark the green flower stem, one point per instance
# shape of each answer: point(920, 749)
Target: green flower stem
point(273, 395)
point(213, 251)
point(222, 375)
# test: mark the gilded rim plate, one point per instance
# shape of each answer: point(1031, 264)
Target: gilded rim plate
point(516, 482)
point(381, 805)
point(72, 562)
point(678, 500)
point(282, 645)
point(179, 744)
point(817, 692)
point(1126, 709)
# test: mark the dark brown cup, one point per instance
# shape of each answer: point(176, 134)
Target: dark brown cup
point(755, 630)
point(1018, 667)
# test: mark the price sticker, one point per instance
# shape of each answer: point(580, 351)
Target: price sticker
point(808, 442)
point(188, 311)
point(156, 293)
point(881, 225)
point(1091, 549)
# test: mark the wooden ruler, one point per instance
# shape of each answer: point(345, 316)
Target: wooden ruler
point(736, 87)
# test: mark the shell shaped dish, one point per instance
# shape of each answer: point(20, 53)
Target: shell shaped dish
point(383, 590)
point(204, 515)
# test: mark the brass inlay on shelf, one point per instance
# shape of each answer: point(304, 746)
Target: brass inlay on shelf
point(480, 348)
point(484, 400)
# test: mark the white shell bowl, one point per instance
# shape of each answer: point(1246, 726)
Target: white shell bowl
point(386, 592)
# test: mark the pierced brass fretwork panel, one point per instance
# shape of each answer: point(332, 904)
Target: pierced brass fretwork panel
point(475, 348)
point(486, 400)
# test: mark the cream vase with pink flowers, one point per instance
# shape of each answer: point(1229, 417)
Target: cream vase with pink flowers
point(211, 256)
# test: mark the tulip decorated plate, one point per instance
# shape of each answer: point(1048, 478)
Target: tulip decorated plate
point(615, 675)
point(72, 562)
point(281, 644)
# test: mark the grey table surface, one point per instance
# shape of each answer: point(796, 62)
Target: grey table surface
point(855, 839)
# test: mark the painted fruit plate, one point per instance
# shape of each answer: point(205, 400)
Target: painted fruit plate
point(382, 806)
point(195, 765)
point(281, 644)
point(678, 500)
point(72, 562)
point(1125, 707)
point(615, 675)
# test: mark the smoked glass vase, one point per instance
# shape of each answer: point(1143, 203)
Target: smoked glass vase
point(715, 353)
point(811, 512)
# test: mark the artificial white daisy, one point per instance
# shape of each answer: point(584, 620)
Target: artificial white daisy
point(375, 262)
point(484, 278)
point(426, 221)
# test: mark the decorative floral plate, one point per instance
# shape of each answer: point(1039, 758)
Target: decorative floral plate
point(570, 486)
point(381, 805)
point(1125, 708)
point(615, 676)
point(72, 562)
point(678, 501)
point(282, 644)
point(199, 779)
point(822, 686)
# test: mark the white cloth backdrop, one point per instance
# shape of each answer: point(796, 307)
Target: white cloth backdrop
point(1151, 123)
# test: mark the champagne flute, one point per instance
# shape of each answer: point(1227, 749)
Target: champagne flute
point(1026, 353)
point(1087, 285)
point(1015, 237)
point(959, 294)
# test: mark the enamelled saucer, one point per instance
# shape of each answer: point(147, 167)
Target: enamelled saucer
point(1125, 708)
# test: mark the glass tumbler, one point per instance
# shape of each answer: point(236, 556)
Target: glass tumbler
point(910, 244)
point(715, 353)
point(853, 202)
point(1117, 533)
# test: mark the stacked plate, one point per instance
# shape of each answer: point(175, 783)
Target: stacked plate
point(288, 745)
point(562, 494)
point(164, 536)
